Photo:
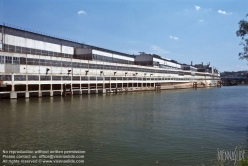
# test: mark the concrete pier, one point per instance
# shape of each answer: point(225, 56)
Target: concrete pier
point(13, 95)
point(26, 94)
point(69, 89)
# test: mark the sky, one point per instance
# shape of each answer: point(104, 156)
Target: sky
point(183, 30)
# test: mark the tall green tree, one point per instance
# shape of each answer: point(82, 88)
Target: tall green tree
point(242, 32)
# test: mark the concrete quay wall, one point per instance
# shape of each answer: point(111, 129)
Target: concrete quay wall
point(95, 87)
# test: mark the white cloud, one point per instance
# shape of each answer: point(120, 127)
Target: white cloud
point(81, 12)
point(197, 7)
point(223, 12)
point(201, 20)
point(159, 50)
point(173, 37)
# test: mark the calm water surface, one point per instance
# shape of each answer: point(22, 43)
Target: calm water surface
point(176, 127)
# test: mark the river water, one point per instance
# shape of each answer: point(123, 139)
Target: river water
point(174, 127)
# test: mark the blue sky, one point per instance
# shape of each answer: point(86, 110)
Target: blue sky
point(184, 30)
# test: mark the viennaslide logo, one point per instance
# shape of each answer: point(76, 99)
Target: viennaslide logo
point(231, 155)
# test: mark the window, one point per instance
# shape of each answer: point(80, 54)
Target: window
point(8, 59)
point(16, 60)
point(33, 78)
point(20, 77)
point(45, 78)
point(2, 59)
point(56, 78)
point(85, 78)
point(76, 78)
point(23, 61)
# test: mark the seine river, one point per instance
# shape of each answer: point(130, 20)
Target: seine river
point(172, 128)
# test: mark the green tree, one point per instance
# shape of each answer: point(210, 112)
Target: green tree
point(242, 32)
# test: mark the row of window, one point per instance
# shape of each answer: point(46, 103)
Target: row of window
point(5, 77)
point(9, 60)
point(45, 62)
point(167, 67)
point(83, 78)
point(189, 68)
point(144, 63)
point(25, 50)
point(110, 59)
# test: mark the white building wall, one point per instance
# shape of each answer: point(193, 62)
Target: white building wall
point(35, 44)
point(163, 62)
point(159, 60)
point(2, 68)
point(172, 64)
point(67, 50)
point(102, 53)
point(111, 55)
point(55, 70)
point(123, 57)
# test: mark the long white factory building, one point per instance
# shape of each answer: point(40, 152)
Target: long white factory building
point(34, 64)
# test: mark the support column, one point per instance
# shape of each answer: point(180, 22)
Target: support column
point(103, 86)
point(71, 89)
point(88, 88)
point(39, 92)
point(116, 87)
point(80, 90)
point(51, 90)
point(26, 93)
point(96, 88)
point(13, 94)
point(61, 89)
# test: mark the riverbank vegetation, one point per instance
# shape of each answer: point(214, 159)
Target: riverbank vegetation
point(243, 32)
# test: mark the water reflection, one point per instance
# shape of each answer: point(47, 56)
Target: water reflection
point(182, 127)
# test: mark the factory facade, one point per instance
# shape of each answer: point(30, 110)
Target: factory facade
point(35, 64)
